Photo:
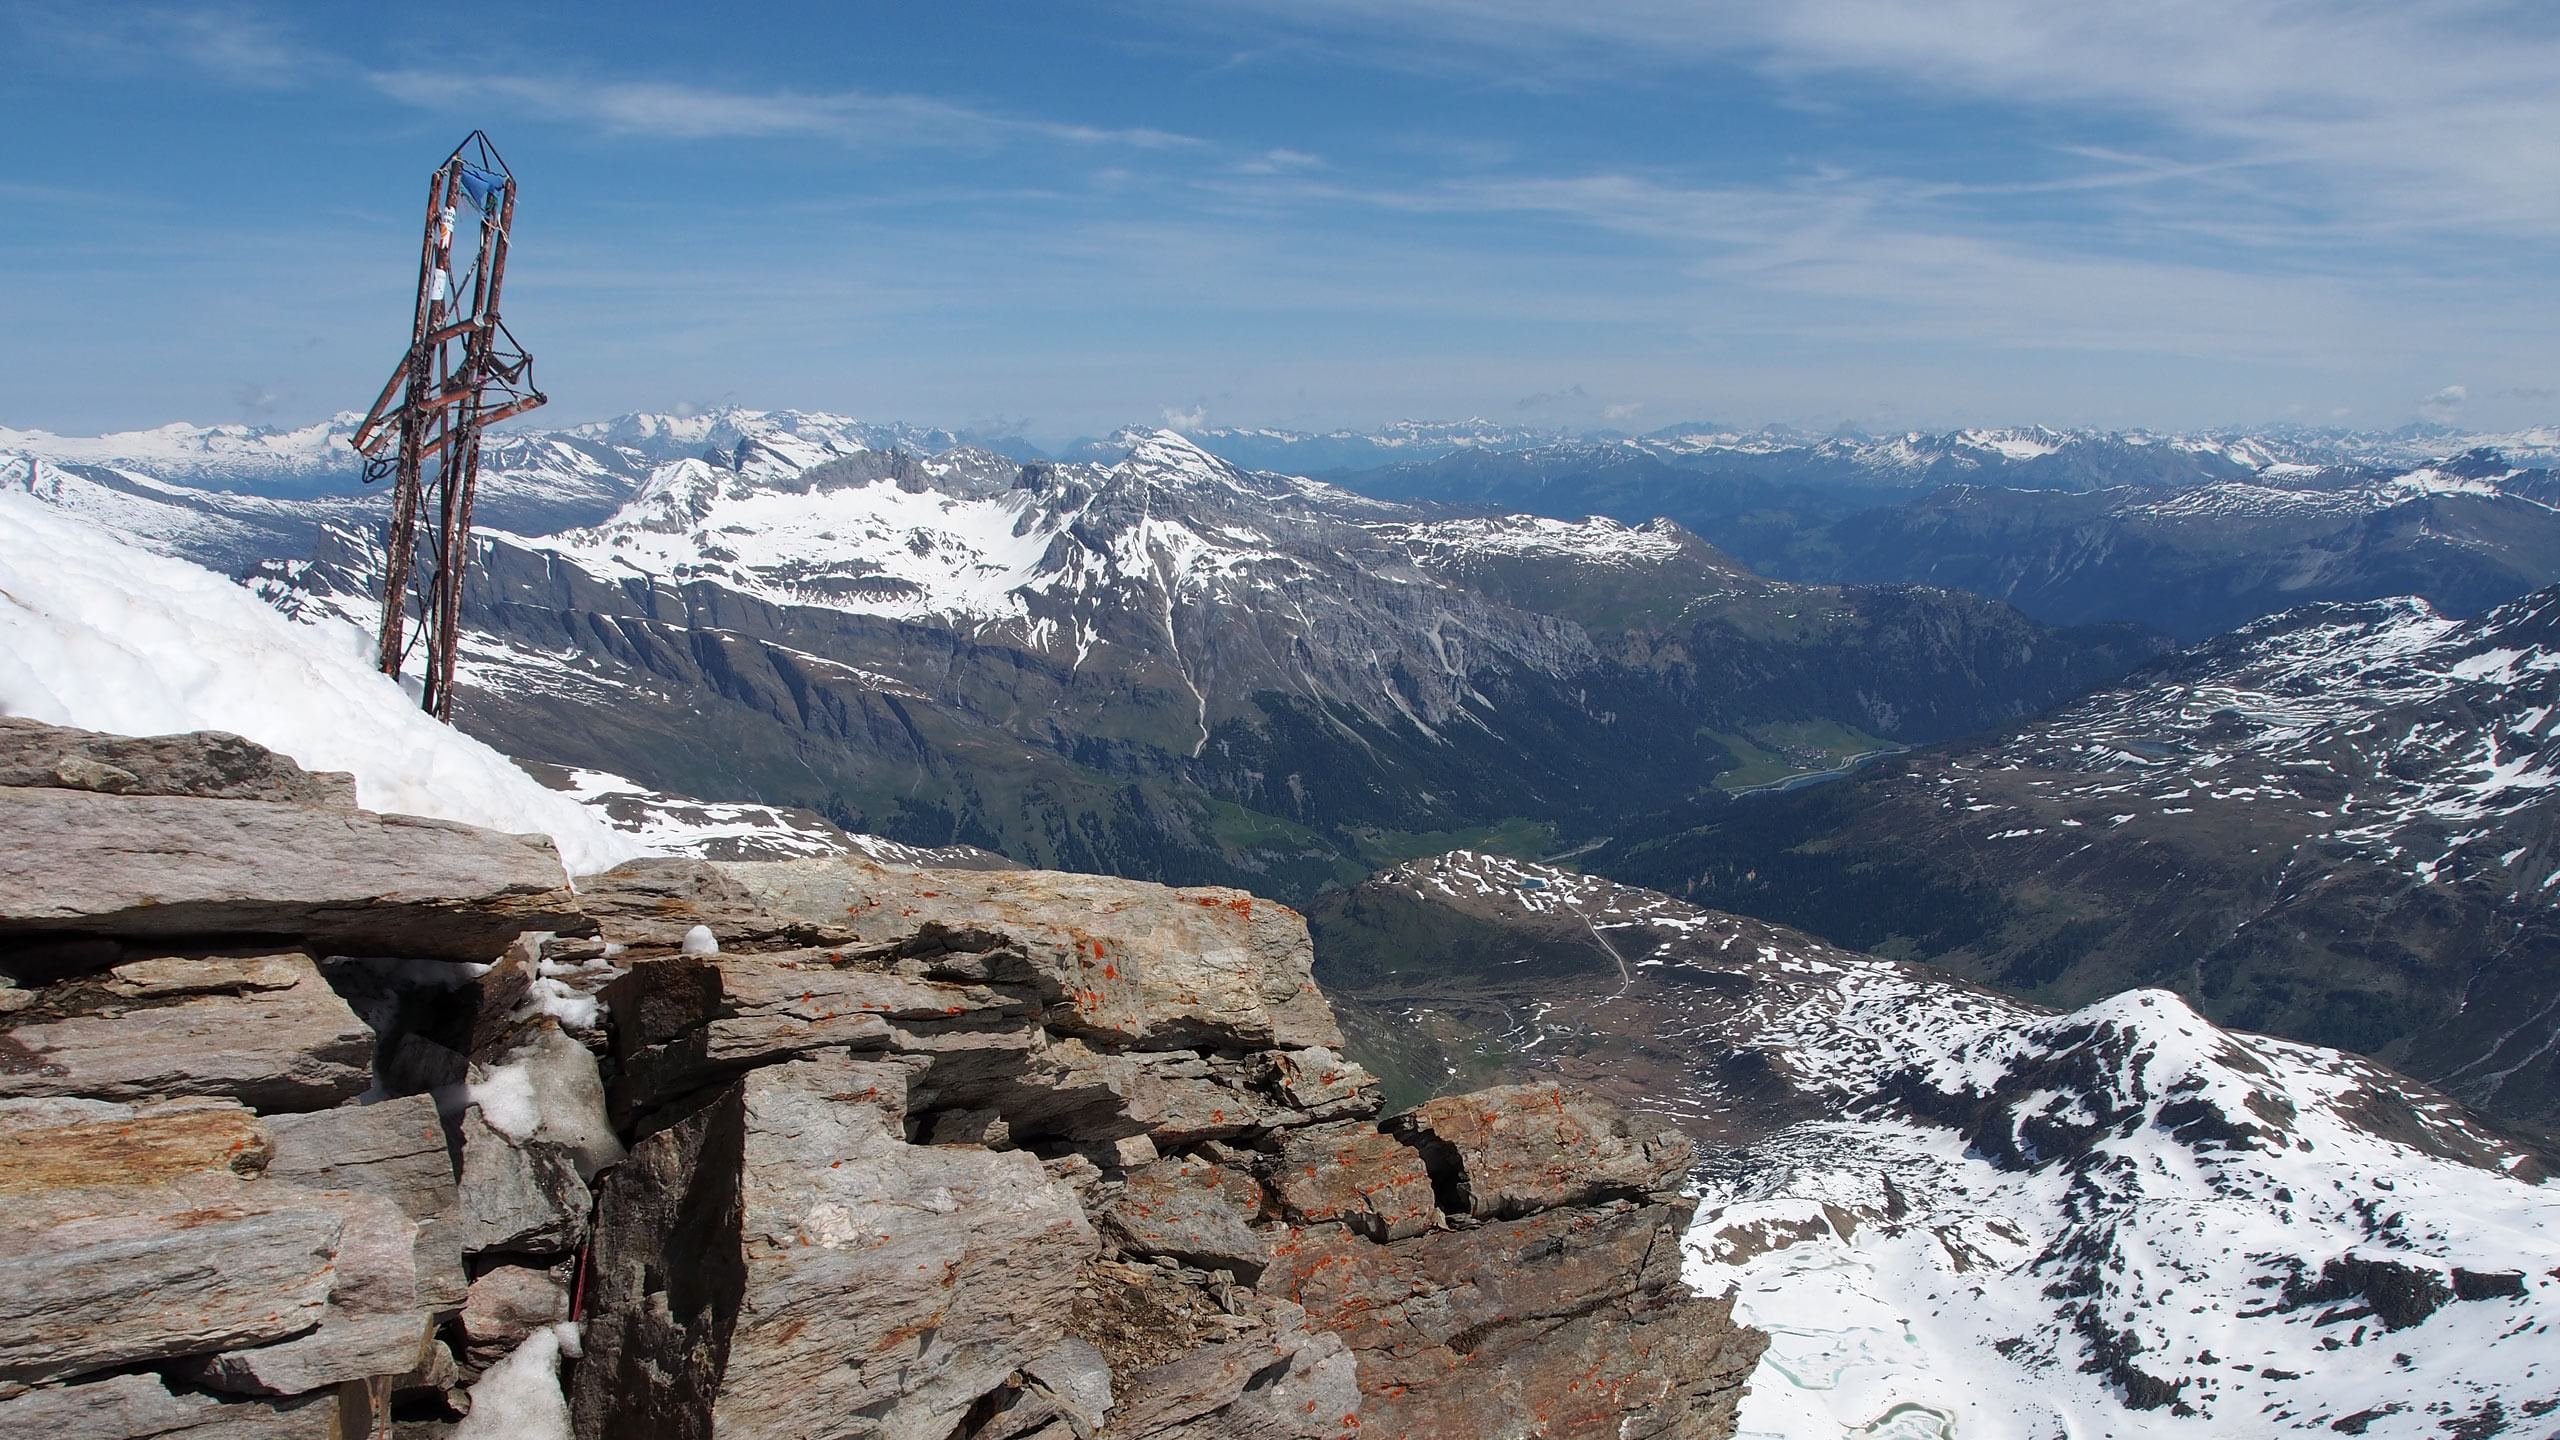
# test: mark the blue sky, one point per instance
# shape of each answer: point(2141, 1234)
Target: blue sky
point(1057, 219)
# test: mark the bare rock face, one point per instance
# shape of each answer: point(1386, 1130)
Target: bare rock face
point(517, 1199)
point(650, 904)
point(1349, 1174)
point(1192, 1211)
point(148, 1234)
point(1567, 1323)
point(797, 1190)
point(1123, 961)
point(914, 1155)
point(208, 764)
point(342, 881)
point(395, 1149)
point(1518, 1149)
point(1238, 1187)
point(265, 1030)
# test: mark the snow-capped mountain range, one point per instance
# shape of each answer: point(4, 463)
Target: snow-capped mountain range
point(1958, 1215)
point(1244, 671)
point(2340, 823)
point(270, 457)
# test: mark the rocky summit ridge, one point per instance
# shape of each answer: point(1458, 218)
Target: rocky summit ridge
point(331, 1124)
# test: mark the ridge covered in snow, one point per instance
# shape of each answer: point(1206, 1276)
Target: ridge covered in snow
point(97, 634)
point(2446, 734)
point(1958, 1214)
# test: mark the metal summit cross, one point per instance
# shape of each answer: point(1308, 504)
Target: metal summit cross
point(463, 373)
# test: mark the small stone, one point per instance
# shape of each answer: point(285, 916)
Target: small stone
point(177, 975)
point(1191, 1211)
point(1349, 1174)
point(516, 1199)
point(1518, 1149)
point(508, 1303)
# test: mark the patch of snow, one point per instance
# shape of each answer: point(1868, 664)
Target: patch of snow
point(520, 1398)
point(98, 634)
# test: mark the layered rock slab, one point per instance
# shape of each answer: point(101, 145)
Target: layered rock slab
point(207, 764)
point(1568, 1323)
point(264, 1030)
point(1124, 961)
point(339, 880)
point(1517, 1149)
point(147, 1234)
point(141, 1407)
point(782, 1197)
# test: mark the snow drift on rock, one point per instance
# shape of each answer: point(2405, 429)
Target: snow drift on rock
point(98, 634)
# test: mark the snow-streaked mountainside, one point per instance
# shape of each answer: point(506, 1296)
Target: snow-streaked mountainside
point(1044, 557)
point(1960, 1215)
point(2191, 535)
point(2340, 823)
point(230, 496)
point(97, 634)
point(1170, 666)
point(732, 830)
point(295, 459)
point(2383, 730)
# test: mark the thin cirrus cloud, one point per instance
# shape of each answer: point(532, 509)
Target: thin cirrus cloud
point(670, 111)
point(233, 45)
point(2421, 114)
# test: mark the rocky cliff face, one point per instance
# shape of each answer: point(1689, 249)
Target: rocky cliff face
point(325, 1123)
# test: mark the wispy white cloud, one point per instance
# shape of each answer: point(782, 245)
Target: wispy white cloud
point(1848, 260)
point(2424, 114)
point(234, 44)
point(665, 110)
point(247, 47)
point(1280, 161)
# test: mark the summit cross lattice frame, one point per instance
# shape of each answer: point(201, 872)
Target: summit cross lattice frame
point(462, 374)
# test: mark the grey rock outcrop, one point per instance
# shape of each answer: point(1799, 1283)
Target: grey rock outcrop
point(208, 764)
point(966, 1261)
point(207, 1232)
point(207, 836)
point(840, 1119)
point(1518, 1149)
point(156, 867)
point(1122, 961)
point(917, 1155)
point(517, 1199)
point(141, 1235)
point(171, 1027)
